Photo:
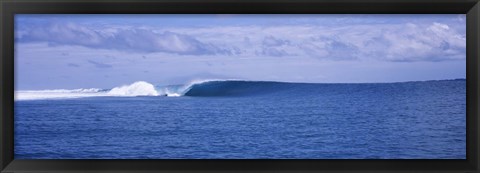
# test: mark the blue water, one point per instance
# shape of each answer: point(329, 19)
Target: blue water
point(251, 120)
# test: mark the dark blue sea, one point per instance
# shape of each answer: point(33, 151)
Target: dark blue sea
point(252, 120)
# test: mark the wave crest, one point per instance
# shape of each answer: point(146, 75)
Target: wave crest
point(181, 90)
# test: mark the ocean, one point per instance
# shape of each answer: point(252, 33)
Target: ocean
point(233, 119)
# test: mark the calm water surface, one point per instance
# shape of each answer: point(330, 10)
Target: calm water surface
point(248, 120)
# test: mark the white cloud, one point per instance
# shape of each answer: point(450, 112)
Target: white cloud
point(406, 42)
point(136, 40)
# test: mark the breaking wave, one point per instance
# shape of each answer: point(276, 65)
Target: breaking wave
point(196, 88)
point(139, 88)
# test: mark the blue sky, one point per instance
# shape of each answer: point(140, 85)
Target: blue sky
point(104, 51)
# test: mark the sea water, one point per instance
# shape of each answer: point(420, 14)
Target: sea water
point(245, 120)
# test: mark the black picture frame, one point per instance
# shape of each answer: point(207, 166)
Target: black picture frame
point(9, 8)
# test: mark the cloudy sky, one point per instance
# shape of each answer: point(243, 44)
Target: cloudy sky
point(104, 51)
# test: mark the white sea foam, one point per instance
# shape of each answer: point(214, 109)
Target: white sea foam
point(90, 90)
point(57, 94)
point(170, 91)
point(140, 88)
